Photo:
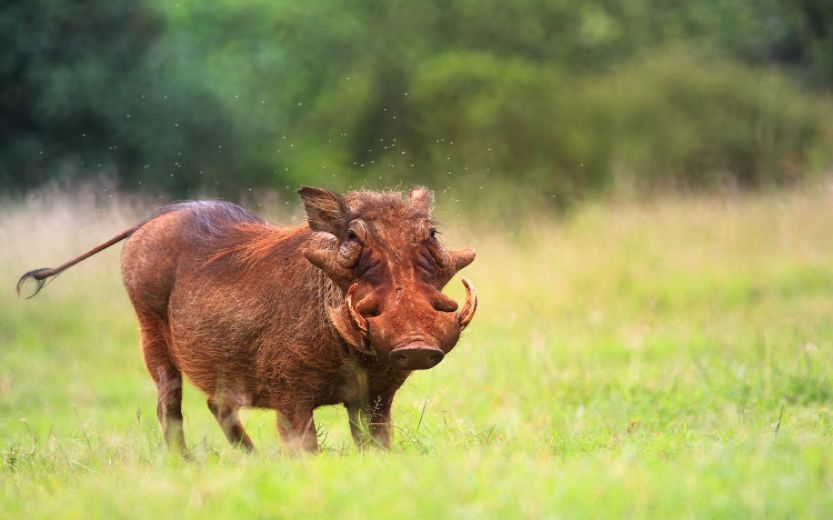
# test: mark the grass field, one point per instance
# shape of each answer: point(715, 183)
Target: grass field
point(662, 359)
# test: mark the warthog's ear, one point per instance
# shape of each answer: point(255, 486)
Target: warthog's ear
point(326, 210)
point(421, 198)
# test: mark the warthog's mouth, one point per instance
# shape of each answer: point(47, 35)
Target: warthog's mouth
point(416, 356)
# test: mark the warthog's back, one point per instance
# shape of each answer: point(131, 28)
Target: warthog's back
point(175, 233)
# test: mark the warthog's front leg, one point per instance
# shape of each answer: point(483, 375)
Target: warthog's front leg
point(370, 424)
point(297, 430)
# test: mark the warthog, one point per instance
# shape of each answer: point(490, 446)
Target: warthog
point(338, 310)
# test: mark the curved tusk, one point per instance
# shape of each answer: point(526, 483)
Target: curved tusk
point(465, 315)
point(357, 318)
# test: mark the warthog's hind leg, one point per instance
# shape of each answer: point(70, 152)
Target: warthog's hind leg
point(228, 419)
point(168, 381)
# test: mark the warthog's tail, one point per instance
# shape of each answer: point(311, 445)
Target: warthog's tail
point(44, 274)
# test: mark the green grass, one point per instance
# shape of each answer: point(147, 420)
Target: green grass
point(665, 359)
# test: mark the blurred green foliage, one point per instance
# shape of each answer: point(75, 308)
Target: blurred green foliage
point(561, 98)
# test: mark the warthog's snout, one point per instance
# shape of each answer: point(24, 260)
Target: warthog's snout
point(416, 356)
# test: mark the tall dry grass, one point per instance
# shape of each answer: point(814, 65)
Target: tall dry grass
point(664, 358)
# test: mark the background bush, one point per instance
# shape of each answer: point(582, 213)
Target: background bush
point(557, 99)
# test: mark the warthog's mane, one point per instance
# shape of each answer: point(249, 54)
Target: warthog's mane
point(239, 243)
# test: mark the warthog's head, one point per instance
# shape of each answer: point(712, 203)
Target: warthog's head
point(391, 267)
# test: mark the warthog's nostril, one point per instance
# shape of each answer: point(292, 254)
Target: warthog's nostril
point(416, 356)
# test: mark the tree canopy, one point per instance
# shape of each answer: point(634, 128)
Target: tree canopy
point(566, 98)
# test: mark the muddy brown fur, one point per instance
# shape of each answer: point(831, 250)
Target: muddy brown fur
point(338, 310)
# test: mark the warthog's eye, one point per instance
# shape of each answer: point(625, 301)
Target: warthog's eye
point(432, 233)
point(351, 235)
